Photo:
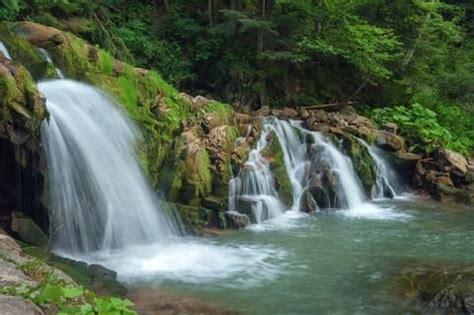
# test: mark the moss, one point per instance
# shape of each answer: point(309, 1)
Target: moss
point(274, 154)
point(363, 163)
point(22, 52)
point(198, 174)
point(151, 102)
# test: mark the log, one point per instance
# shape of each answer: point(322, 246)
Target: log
point(321, 106)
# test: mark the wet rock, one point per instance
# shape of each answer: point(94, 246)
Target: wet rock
point(12, 305)
point(238, 220)
point(445, 193)
point(390, 141)
point(27, 230)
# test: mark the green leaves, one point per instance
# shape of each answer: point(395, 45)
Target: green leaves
point(421, 127)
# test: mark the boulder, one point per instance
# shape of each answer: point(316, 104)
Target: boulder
point(12, 276)
point(288, 113)
point(27, 230)
point(452, 162)
point(262, 112)
point(37, 34)
point(390, 127)
point(390, 141)
point(13, 305)
point(237, 220)
point(445, 193)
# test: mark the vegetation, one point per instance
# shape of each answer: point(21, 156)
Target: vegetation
point(68, 298)
point(284, 52)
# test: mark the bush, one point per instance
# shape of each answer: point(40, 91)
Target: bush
point(423, 128)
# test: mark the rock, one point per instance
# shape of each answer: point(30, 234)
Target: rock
point(262, 112)
point(37, 34)
point(390, 127)
point(238, 220)
point(11, 276)
point(390, 141)
point(444, 180)
point(289, 113)
point(444, 193)
point(453, 162)
point(28, 231)
point(99, 272)
point(12, 305)
point(10, 250)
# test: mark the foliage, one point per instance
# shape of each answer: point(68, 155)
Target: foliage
point(68, 298)
point(421, 126)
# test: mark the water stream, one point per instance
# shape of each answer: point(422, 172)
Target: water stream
point(4, 50)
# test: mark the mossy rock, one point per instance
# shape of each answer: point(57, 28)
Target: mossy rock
point(21, 104)
point(26, 54)
point(274, 154)
point(362, 162)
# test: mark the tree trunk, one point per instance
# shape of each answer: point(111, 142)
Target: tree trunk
point(209, 11)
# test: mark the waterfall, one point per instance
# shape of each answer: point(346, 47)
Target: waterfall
point(387, 182)
point(46, 56)
point(350, 192)
point(100, 199)
point(4, 50)
point(308, 157)
point(253, 191)
point(295, 157)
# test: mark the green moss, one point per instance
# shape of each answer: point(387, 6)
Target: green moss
point(151, 102)
point(22, 52)
point(363, 164)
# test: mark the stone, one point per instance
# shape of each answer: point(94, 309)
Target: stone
point(27, 230)
point(390, 127)
point(289, 113)
point(390, 141)
point(444, 193)
point(452, 161)
point(37, 34)
point(262, 112)
point(12, 305)
point(102, 273)
point(11, 276)
point(444, 180)
point(237, 220)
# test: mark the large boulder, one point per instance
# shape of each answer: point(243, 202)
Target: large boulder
point(37, 34)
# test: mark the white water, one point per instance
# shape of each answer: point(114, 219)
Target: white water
point(47, 56)
point(99, 196)
point(342, 165)
point(387, 183)
point(255, 185)
point(305, 159)
point(4, 50)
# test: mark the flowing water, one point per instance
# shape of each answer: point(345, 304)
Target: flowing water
point(99, 196)
point(47, 56)
point(326, 263)
point(4, 50)
point(387, 182)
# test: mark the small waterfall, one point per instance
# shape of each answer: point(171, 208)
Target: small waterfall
point(387, 182)
point(4, 50)
point(309, 157)
point(350, 193)
point(254, 189)
point(47, 56)
point(100, 199)
point(295, 157)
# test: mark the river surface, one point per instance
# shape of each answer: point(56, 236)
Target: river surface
point(338, 262)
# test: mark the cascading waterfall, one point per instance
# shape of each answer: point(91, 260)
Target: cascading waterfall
point(307, 155)
point(47, 56)
point(4, 50)
point(100, 199)
point(255, 185)
point(387, 182)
